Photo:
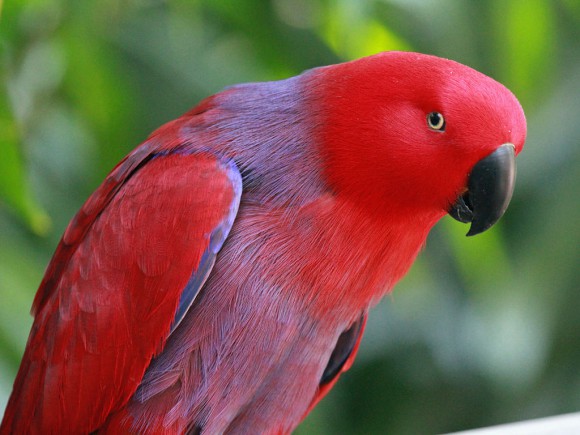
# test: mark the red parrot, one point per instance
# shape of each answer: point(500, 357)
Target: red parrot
point(219, 280)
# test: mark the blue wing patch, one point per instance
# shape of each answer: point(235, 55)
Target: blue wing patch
point(217, 238)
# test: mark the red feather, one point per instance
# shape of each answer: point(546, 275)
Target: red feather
point(110, 293)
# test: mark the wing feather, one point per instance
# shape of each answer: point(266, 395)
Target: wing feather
point(112, 289)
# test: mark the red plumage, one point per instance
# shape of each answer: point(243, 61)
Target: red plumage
point(160, 313)
point(110, 293)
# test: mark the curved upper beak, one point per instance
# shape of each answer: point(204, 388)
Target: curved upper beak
point(489, 190)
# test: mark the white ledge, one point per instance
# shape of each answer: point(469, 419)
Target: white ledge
point(567, 424)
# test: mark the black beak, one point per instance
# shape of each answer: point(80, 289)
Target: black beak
point(489, 190)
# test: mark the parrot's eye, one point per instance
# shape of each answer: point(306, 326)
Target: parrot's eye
point(436, 121)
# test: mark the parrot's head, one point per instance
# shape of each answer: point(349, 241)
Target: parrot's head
point(420, 136)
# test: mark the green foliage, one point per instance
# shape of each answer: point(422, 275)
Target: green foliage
point(483, 330)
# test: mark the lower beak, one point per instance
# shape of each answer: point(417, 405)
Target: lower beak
point(489, 190)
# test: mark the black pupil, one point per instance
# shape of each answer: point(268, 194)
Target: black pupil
point(435, 118)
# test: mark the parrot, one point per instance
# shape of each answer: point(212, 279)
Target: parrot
point(219, 280)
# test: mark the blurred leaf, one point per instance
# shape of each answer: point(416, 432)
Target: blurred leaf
point(480, 259)
point(348, 27)
point(526, 45)
point(574, 7)
point(102, 94)
point(15, 190)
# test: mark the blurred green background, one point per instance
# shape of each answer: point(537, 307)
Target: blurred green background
point(482, 331)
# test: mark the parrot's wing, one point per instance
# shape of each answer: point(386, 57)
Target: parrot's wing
point(341, 358)
point(127, 268)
